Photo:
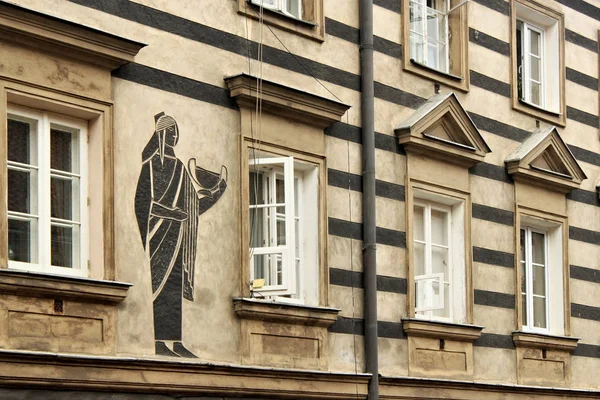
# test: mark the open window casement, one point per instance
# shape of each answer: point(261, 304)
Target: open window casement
point(441, 128)
point(545, 160)
point(292, 8)
point(272, 225)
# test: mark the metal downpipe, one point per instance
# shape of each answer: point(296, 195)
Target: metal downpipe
point(368, 196)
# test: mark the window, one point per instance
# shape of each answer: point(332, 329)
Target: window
point(47, 192)
point(438, 257)
point(541, 275)
point(429, 33)
point(283, 226)
point(303, 17)
point(538, 41)
point(292, 8)
point(436, 34)
point(534, 278)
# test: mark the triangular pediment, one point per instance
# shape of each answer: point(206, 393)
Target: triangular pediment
point(441, 128)
point(545, 159)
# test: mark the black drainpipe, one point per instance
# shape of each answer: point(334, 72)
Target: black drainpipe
point(367, 107)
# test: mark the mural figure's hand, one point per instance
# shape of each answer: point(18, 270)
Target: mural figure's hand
point(176, 213)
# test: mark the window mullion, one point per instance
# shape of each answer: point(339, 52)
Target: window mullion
point(290, 262)
point(526, 63)
point(44, 194)
point(546, 281)
point(529, 277)
point(424, 30)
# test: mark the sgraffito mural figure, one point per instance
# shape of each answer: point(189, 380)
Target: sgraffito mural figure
point(168, 203)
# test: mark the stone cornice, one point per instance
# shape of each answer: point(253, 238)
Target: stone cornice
point(441, 330)
point(542, 341)
point(45, 370)
point(30, 28)
point(62, 287)
point(285, 101)
point(271, 311)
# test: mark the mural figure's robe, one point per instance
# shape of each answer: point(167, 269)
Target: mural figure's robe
point(167, 208)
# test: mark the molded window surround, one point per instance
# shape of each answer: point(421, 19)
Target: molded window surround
point(538, 60)
point(303, 17)
point(435, 38)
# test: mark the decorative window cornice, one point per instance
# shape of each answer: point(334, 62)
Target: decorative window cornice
point(441, 128)
point(545, 160)
point(285, 101)
point(30, 28)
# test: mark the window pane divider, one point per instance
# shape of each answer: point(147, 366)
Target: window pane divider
point(17, 166)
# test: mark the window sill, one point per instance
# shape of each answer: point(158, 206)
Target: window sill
point(287, 313)
point(552, 117)
point(63, 287)
point(536, 107)
point(436, 71)
point(441, 330)
point(544, 341)
point(280, 14)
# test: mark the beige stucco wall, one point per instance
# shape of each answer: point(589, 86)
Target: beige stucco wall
point(211, 134)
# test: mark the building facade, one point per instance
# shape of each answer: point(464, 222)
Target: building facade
point(186, 199)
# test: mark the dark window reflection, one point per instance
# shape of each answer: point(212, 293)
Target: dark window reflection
point(60, 150)
point(18, 191)
point(61, 192)
point(18, 141)
point(62, 246)
point(19, 240)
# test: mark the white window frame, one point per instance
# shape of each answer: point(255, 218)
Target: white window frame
point(427, 311)
point(529, 295)
point(41, 246)
point(300, 266)
point(526, 76)
point(422, 4)
point(281, 6)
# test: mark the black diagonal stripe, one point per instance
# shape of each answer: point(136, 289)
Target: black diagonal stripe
point(587, 350)
point(489, 84)
point(584, 196)
point(392, 5)
point(350, 326)
point(494, 299)
point(582, 79)
point(584, 235)
point(493, 214)
point(344, 131)
point(582, 7)
point(175, 84)
point(398, 96)
point(495, 340)
point(585, 155)
point(582, 116)
point(490, 171)
point(499, 128)
point(497, 5)
point(354, 230)
point(387, 47)
point(342, 31)
point(355, 279)
point(391, 284)
point(489, 42)
point(493, 257)
point(581, 40)
point(391, 330)
point(585, 312)
point(389, 190)
point(344, 180)
point(585, 274)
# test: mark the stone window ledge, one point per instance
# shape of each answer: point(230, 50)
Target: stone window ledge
point(441, 330)
point(279, 312)
point(35, 284)
point(544, 341)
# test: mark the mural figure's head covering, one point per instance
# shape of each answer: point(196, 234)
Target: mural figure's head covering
point(166, 133)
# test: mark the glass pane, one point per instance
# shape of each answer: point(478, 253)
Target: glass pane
point(439, 227)
point(439, 262)
point(21, 240)
point(61, 192)
point(416, 23)
point(433, 59)
point(418, 224)
point(444, 312)
point(538, 248)
point(535, 68)
point(281, 231)
point(61, 149)
point(280, 193)
point(539, 280)
point(419, 258)
point(62, 241)
point(535, 93)
point(269, 268)
point(523, 277)
point(535, 42)
point(256, 188)
point(427, 293)
point(260, 228)
point(524, 308)
point(292, 7)
point(522, 244)
point(21, 191)
point(19, 146)
point(416, 48)
point(539, 312)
